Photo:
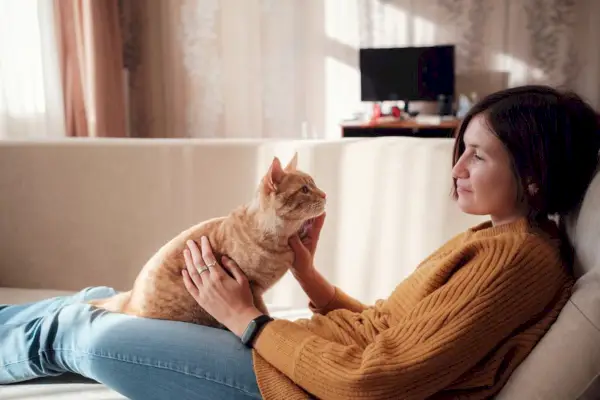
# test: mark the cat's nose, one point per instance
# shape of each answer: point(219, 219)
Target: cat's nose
point(323, 194)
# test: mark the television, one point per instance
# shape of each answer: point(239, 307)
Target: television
point(406, 73)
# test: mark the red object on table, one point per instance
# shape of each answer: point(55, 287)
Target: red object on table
point(376, 113)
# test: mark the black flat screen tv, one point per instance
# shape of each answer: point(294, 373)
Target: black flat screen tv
point(406, 73)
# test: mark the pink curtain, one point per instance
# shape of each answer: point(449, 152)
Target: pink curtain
point(90, 46)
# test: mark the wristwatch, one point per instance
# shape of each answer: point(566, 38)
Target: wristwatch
point(253, 328)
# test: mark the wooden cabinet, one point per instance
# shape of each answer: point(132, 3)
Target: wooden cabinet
point(410, 127)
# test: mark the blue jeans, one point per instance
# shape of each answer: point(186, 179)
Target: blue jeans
point(137, 357)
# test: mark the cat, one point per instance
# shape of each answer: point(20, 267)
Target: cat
point(254, 235)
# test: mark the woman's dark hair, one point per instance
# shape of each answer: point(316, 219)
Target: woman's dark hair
point(553, 138)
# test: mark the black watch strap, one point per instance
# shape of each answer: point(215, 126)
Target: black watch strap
point(253, 328)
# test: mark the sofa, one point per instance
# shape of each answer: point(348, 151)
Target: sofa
point(86, 212)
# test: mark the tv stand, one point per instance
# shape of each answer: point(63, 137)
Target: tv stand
point(399, 127)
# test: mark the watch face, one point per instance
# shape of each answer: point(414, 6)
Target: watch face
point(249, 332)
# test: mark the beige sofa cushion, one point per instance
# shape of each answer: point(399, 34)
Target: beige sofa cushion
point(566, 362)
point(583, 228)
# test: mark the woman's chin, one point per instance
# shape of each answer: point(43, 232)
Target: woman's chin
point(470, 208)
point(467, 206)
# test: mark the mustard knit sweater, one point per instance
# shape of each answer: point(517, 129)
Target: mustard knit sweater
point(456, 328)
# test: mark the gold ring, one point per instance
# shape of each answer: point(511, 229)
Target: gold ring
point(202, 269)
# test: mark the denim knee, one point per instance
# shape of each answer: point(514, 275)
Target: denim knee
point(96, 292)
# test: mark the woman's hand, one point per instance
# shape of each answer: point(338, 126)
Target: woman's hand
point(229, 300)
point(304, 250)
point(317, 288)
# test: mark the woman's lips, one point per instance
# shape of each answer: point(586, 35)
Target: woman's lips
point(462, 190)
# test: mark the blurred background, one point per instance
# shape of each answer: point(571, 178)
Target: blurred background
point(265, 68)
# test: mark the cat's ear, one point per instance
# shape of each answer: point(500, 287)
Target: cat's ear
point(293, 163)
point(274, 176)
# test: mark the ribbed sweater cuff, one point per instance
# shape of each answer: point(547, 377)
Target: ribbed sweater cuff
point(340, 300)
point(280, 342)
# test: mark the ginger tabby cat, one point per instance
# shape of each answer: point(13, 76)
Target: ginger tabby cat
point(254, 235)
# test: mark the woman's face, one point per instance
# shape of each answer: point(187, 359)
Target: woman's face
point(485, 182)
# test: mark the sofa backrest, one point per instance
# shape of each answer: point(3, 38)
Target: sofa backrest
point(82, 212)
point(583, 228)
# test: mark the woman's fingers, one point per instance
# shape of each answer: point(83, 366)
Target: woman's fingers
point(189, 284)
point(189, 263)
point(207, 253)
point(315, 233)
point(197, 259)
point(318, 224)
point(192, 271)
point(234, 269)
point(216, 270)
point(297, 245)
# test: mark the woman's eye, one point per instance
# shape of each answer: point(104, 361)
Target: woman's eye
point(304, 189)
point(477, 157)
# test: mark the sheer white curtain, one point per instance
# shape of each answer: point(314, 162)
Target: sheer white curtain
point(290, 69)
point(227, 68)
point(31, 101)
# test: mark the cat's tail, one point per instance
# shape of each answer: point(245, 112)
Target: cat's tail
point(117, 303)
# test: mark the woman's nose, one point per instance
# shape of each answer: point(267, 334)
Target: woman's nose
point(459, 171)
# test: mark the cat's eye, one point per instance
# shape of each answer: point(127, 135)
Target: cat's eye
point(304, 189)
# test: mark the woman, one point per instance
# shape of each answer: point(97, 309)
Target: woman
point(458, 326)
